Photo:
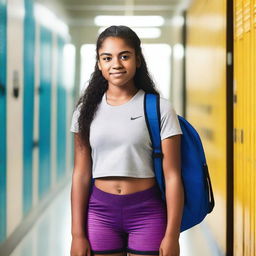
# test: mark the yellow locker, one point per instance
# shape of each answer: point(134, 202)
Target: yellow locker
point(244, 128)
point(206, 98)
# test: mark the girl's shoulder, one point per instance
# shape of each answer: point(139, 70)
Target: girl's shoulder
point(166, 106)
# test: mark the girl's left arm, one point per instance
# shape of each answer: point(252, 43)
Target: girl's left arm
point(174, 187)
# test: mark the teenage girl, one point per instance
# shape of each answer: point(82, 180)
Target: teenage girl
point(123, 213)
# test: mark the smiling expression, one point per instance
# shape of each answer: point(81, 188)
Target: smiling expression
point(117, 62)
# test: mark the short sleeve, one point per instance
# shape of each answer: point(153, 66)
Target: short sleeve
point(169, 120)
point(74, 121)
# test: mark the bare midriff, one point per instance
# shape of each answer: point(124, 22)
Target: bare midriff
point(124, 185)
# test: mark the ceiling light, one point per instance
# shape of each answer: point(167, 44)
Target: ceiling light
point(132, 21)
point(142, 32)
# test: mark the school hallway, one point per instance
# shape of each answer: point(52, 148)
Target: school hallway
point(200, 56)
point(51, 234)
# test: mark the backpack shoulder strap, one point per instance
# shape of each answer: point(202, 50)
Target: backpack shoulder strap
point(152, 116)
point(152, 111)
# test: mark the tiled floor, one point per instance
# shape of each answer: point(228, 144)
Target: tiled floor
point(51, 235)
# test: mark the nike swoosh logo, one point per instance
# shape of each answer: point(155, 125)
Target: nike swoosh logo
point(133, 118)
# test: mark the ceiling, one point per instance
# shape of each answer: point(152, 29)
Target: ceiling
point(82, 12)
point(79, 16)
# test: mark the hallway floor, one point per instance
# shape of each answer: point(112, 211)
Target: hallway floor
point(51, 234)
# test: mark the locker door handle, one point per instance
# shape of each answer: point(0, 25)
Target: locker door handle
point(16, 84)
point(237, 138)
point(2, 89)
point(234, 135)
point(35, 144)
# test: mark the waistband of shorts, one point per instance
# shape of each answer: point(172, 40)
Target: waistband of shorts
point(126, 199)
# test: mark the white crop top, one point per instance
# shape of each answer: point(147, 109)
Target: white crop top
point(121, 146)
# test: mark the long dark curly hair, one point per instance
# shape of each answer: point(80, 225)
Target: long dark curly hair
point(98, 85)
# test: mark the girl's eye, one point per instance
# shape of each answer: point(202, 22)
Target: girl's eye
point(125, 56)
point(106, 58)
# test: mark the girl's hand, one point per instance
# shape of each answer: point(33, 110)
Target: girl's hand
point(80, 247)
point(169, 247)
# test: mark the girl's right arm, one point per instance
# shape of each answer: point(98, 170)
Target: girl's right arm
point(81, 180)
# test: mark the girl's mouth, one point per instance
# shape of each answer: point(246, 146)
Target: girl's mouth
point(117, 74)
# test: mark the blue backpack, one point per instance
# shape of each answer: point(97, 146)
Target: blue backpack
point(199, 200)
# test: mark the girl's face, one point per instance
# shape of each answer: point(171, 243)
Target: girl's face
point(117, 62)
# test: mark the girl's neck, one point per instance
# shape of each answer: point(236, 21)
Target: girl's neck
point(121, 94)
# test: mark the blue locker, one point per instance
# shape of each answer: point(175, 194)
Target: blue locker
point(45, 107)
point(3, 51)
point(28, 105)
point(61, 114)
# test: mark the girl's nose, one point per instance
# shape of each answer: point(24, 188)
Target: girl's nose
point(116, 63)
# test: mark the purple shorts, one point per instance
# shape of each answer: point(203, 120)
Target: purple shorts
point(134, 223)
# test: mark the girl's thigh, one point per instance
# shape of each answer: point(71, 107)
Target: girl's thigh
point(145, 224)
point(104, 229)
